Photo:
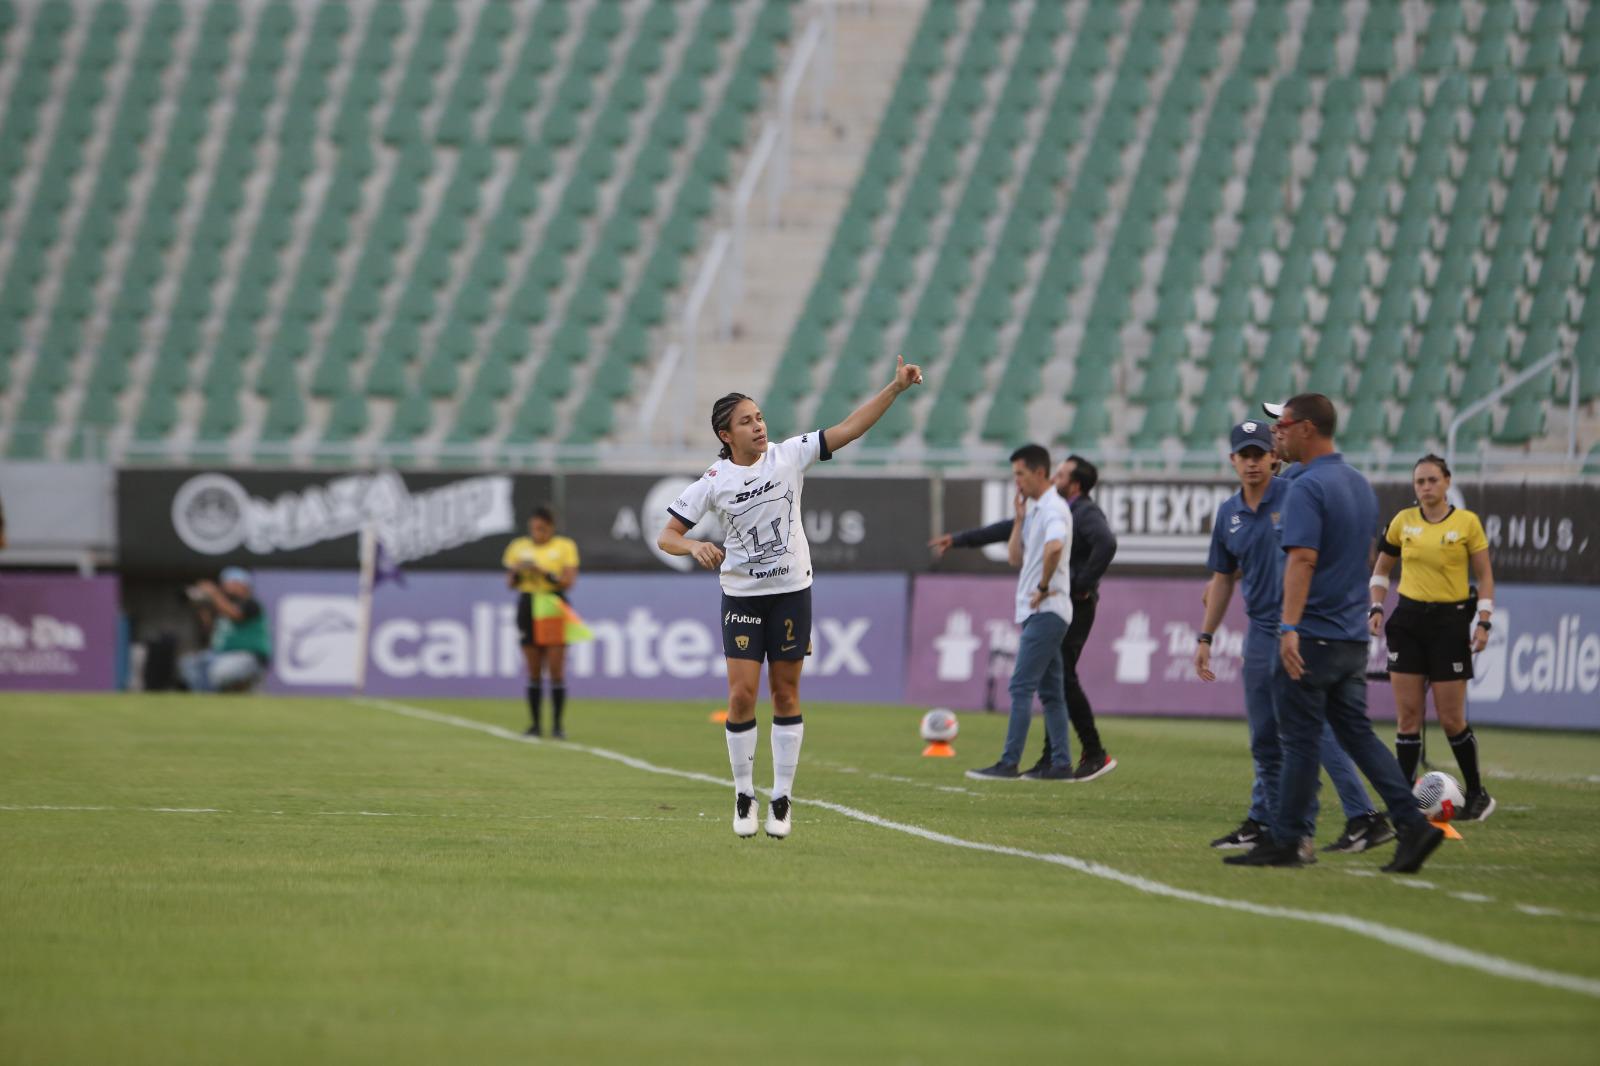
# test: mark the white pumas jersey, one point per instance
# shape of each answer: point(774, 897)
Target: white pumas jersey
point(759, 506)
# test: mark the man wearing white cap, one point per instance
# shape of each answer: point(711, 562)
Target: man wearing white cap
point(241, 642)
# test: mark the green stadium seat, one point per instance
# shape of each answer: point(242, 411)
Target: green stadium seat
point(1494, 34)
point(413, 416)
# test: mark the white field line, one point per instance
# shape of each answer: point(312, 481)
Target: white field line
point(1405, 940)
point(349, 814)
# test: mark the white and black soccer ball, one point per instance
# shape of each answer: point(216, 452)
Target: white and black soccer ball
point(1439, 795)
point(940, 724)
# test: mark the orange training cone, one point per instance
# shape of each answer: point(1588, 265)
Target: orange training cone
point(719, 717)
point(939, 749)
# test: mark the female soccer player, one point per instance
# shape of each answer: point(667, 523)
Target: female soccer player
point(1432, 637)
point(542, 567)
point(765, 564)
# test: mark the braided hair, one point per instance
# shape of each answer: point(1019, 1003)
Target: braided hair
point(722, 418)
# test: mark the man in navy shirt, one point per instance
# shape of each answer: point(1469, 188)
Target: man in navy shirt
point(1330, 521)
point(1245, 547)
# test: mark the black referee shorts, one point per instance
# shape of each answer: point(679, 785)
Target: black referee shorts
point(775, 628)
point(1432, 639)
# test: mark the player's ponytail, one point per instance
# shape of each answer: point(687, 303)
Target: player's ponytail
point(722, 418)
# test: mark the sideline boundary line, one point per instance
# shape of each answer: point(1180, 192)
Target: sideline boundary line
point(1405, 940)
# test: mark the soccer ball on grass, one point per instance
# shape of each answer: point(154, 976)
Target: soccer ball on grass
point(939, 724)
point(1439, 795)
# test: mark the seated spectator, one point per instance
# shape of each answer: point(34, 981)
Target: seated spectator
point(241, 644)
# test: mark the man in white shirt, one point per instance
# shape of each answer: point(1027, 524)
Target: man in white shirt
point(1041, 542)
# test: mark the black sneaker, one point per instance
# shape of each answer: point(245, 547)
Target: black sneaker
point(1271, 853)
point(1248, 835)
point(1415, 845)
point(1064, 772)
point(1363, 832)
point(1002, 771)
point(1038, 769)
point(1093, 766)
point(533, 731)
point(1478, 808)
point(558, 734)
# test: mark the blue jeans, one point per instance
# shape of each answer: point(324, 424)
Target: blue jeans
point(212, 671)
point(1261, 668)
point(1038, 670)
point(1331, 693)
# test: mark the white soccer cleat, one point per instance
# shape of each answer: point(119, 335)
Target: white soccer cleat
point(778, 817)
point(744, 815)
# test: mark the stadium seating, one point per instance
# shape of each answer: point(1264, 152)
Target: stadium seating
point(315, 224)
point(1393, 209)
point(281, 229)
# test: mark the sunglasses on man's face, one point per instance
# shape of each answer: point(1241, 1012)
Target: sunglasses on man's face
point(1285, 423)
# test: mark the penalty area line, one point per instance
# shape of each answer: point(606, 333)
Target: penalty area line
point(1404, 939)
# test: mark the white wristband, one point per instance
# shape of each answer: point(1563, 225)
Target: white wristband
point(1486, 607)
point(1379, 582)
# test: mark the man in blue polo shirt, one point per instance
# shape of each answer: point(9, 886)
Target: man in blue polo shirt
point(1245, 547)
point(1330, 521)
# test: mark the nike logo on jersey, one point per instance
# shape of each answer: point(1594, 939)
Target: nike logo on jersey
point(756, 478)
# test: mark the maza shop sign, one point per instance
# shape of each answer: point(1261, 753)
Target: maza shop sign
point(187, 520)
point(214, 514)
point(656, 637)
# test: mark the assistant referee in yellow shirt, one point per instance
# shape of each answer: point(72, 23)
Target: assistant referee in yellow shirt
point(542, 564)
point(1438, 624)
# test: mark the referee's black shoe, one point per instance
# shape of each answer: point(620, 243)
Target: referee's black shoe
point(1478, 807)
point(1270, 853)
point(1416, 844)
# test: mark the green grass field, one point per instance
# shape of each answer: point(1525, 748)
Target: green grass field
point(191, 879)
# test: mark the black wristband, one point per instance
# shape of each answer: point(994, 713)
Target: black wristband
point(1204, 638)
point(1376, 608)
point(1045, 589)
point(1486, 626)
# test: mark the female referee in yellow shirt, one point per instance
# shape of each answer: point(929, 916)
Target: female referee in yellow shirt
point(1432, 635)
point(538, 566)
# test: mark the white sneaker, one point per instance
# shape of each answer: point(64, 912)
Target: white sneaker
point(744, 815)
point(778, 818)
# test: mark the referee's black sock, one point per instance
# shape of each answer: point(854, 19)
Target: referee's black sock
point(558, 701)
point(1465, 745)
point(535, 698)
point(1408, 749)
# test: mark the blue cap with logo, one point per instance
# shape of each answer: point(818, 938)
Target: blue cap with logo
point(1251, 434)
point(239, 574)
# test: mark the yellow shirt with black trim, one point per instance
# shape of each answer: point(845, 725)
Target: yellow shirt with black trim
point(1433, 555)
point(552, 557)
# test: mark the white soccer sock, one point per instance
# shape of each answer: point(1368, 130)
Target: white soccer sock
point(742, 756)
point(787, 733)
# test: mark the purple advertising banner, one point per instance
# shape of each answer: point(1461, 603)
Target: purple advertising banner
point(1139, 659)
point(57, 632)
point(657, 636)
